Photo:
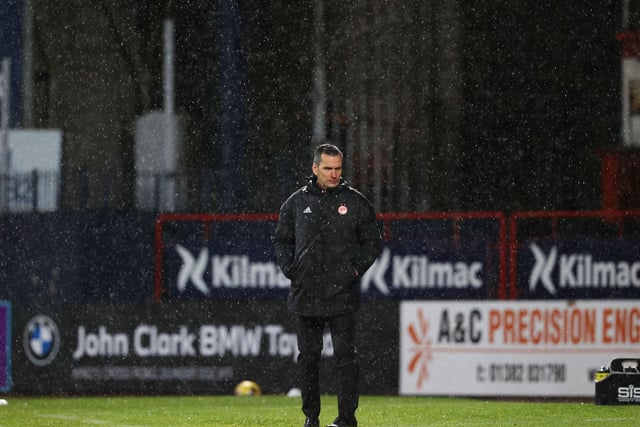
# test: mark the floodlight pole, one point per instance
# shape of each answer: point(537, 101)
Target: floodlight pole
point(27, 65)
point(5, 155)
point(319, 131)
point(169, 144)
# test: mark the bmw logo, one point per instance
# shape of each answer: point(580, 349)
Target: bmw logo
point(41, 340)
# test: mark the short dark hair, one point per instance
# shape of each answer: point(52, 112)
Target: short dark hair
point(328, 149)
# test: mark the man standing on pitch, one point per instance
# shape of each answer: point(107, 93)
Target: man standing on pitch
point(325, 240)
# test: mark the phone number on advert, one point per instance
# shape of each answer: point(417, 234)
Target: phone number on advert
point(522, 373)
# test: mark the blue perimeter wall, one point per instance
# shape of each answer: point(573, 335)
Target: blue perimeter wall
point(77, 258)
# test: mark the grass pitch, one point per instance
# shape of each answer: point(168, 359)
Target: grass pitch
point(375, 411)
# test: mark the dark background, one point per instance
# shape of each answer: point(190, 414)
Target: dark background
point(474, 105)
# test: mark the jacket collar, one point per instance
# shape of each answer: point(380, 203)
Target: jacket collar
point(313, 187)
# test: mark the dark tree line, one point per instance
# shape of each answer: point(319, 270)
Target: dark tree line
point(438, 105)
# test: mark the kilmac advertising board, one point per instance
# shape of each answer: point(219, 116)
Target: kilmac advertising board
point(404, 270)
point(512, 348)
point(584, 269)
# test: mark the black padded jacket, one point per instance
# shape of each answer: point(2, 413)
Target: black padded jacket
point(325, 240)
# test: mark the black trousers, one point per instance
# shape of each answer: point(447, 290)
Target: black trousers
point(309, 331)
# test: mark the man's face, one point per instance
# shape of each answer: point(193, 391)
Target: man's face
point(328, 171)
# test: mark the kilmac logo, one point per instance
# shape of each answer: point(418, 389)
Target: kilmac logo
point(418, 271)
point(226, 271)
point(556, 270)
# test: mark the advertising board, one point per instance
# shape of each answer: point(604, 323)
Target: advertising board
point(190, 348)
point(512, 348)
point(153, 349)
point(579, 269)
point(5, 346)
point(404, 270)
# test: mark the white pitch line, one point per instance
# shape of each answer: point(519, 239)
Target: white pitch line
point(85, 420)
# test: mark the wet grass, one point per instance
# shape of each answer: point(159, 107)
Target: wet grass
point(375, 411)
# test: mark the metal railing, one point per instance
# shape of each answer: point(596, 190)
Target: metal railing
point(36, 191)
point(42, 191)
